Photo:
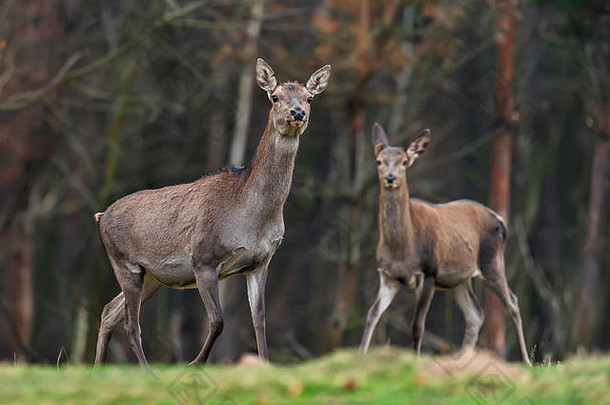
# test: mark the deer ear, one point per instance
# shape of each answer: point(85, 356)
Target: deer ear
point(380, 138)
point(318, 82)
point(265, 76)
point(418, 146)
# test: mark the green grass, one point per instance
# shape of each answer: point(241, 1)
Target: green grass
point(384, 376)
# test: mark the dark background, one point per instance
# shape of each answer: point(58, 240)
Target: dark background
point(102, 98)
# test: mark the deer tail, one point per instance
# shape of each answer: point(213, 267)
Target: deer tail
point(501, 224)
point(97, 216)
point(504, 229)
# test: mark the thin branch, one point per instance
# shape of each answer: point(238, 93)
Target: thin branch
point(208, 25)
point(26, 98)
point(74, 182)
point(542, 284)
point(61, 350)
point(10, 69)
point(172, 4)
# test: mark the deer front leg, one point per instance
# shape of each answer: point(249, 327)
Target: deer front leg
point(423, 300)
point(256, 282)
point(207, 284)
point(388, 288)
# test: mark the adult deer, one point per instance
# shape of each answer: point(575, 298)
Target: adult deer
point(434, 246)
point(193, 235)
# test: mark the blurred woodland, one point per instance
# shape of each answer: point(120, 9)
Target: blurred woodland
point(99, 99)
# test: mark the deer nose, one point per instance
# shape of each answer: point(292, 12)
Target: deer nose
point(390, 178)
point(297, 113)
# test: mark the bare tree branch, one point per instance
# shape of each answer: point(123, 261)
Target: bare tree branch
point(5, 77)
point(25, 99)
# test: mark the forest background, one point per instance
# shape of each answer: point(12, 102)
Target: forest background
point(99, 99)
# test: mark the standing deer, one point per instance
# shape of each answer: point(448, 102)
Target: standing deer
point(434, 246)
point(193, 235)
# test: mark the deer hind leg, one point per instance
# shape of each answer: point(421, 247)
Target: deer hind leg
point(495, 278)
point(114, 313)
point(207, 284)
point(473, 314)
point(388, 288)
point(422, 305)
point(131, 279)
point(256, 281)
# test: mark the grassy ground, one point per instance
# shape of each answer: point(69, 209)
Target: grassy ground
point(384, 376)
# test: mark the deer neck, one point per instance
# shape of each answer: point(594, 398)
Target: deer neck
point(395, 223)
point(272, 167)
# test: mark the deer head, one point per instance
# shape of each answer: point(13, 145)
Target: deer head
point(290, 101)
point(392, 162)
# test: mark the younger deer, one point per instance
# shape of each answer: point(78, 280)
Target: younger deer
point(192, 235)
point(434, 246)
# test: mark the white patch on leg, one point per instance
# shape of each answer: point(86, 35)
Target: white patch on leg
point(256, 281)
point(387, 291)
point(388, 287)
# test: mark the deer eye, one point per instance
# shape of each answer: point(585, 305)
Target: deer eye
point(275, 99)
point(378, 162)
point(309, 99)
point(404, 162)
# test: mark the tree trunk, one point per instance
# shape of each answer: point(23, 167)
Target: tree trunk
point(588, 308)
point(346, 285)
point(218, 120)
point(403, 79)
point(24, 142)
point(246, 78)
point(495, 325)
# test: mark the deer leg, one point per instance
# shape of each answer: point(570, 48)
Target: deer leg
point(473, 314)
point(114, 313)
point(388, 288)
point(207, 284)
point(256, 281)
point(423, 300)
point(495, 278)
point(132, 293)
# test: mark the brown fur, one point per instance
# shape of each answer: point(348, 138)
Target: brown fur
point(191, 235)
point(428, 246)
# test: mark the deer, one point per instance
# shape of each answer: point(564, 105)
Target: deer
point(427, 246)
point(197, 234)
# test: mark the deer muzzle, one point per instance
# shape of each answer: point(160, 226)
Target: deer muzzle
point(298, 114)
point(390, 181)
